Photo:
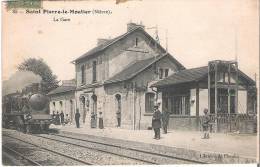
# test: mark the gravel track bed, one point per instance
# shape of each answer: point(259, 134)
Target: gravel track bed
point(121, 151)
point(191, 156)
point(43, 157)
point(92, 156)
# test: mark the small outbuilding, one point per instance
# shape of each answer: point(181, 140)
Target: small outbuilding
point(63, 99)
point(228, 94)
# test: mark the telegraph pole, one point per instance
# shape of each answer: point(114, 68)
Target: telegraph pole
point(166, 38)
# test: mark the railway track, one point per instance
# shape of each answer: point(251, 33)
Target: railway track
point(99, 149)
point(107, 149)
point(153, 158)
point(83, 162)
point(94, 156)
point(18, 155)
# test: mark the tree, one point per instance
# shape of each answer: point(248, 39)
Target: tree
point(39, 67)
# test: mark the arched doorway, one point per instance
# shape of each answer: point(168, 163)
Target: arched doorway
point(94, 111)
point(118, 109)
point(94, 104)
point(61, 106)
point(71, 111)
point(83, 108)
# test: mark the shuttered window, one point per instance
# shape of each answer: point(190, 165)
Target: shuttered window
point(94, 70)
point(83, 74)
point(160, 73)
point(166, 72)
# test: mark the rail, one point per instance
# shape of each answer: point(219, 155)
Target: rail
point(64, 155)
point(21, 155)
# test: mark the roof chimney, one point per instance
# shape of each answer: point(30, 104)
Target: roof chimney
point(131, 26)
point(101, 41)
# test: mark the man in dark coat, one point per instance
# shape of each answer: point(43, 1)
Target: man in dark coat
point(165, 120)
point(156, 122)
point(100, 122)
point(93, 120)
point(62, 118)
point(118, 116)
point(57, 118)
point(77, 116)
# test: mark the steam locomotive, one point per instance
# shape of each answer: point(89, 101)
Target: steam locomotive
point(26, 111)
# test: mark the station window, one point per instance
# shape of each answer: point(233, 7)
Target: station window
point(83, 74)
point(54, 108)
point(180, 105)
point(160, 73)
point(136, 41)
point(149, 102)
point(94, 70)
point(166, 72)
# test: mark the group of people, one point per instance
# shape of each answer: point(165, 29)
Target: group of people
point(162, 119)
point(159, 120)
point(60, 119)
point(93, 119)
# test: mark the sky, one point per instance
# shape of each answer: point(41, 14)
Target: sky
point(198, 31)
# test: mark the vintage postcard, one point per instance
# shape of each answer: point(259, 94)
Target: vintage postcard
point(130, 82)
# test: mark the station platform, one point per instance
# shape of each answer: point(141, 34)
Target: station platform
point(242, 146)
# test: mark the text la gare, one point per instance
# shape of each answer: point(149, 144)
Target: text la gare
point(60, 19)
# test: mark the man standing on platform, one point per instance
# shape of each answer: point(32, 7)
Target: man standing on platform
point(165, 120)
point(57, 118)
point(118, 116)
point(205, 124)
point(100, 122)
point(62, 118)
point(77, 116)
point(93, 121)
point(156, 122)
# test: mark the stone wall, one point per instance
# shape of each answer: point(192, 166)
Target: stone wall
point(110, 108)
point(182, 122)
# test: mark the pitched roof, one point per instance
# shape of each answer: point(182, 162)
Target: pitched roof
point(108, 43)
point(133, 69)
point(191, 75)
point(183, 76)
point(62, 89)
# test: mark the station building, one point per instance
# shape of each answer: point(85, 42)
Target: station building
point(131, 72)
point(116, 76)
